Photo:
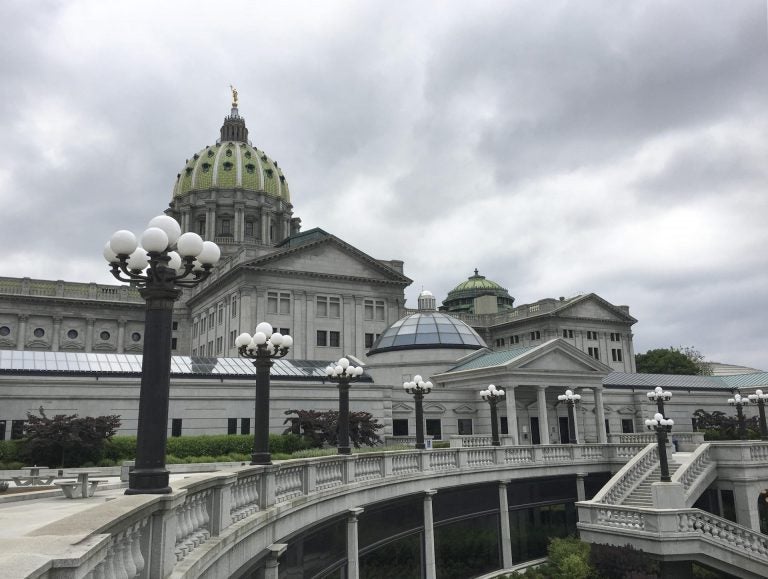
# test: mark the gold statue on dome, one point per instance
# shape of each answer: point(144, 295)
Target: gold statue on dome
point(234, 96)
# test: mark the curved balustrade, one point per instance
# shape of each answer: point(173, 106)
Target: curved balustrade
point(629, 477)
point(697, 474)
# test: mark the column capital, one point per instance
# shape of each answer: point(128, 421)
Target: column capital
point(503, 483)
point(354, 512)
point(57, 319)
point(429, 493)
point(23, 317)
point(541, 387)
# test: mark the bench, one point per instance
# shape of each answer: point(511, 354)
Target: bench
point(27, 481)
point(73, 489)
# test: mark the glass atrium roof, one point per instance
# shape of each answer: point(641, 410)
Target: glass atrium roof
point(428, 330)
point(21, 362)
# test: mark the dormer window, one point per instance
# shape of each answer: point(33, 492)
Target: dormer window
point(228, 166)
point(189, 171)
point(229, 153)
point(206, 167)
point(269, 173)
point(210, 153)
point(247, 154)
point(250, 168)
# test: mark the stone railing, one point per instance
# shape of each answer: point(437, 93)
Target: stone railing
point(474, 440)
point(629, 477)
point(686, 441)
point(679, 533)
point(72, 290)
point(154, 536)
point(696, 474)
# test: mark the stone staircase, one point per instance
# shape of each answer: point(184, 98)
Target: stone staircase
point(641, 495)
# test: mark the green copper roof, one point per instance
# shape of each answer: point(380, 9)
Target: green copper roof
point(232, 165)
point(477, 282)
point(461, 298)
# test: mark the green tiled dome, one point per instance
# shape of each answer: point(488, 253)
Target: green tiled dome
point(232, 165)
point(462, 297)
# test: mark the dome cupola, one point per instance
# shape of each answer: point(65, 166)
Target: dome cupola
point(427, 330)
point(464, 297)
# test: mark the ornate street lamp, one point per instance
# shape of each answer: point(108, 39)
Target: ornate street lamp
point(662, 426)
point(739, 403)
point(263, 347)
point(343, 373)
point(419, 389)
point(659, 396)
point(759, 398)
point(572, 400)
point(493, 396)
point(166, 262)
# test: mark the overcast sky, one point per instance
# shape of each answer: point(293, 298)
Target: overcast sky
point(560, 147)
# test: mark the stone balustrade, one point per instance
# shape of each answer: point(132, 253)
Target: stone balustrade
point(686, 441)
point(149, 536)
point(629, 477)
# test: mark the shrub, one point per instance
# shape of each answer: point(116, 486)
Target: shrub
point(120, 448)
point(9, 450)
point(321, 428)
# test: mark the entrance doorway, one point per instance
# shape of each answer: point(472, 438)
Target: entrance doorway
point(563, 420)
point(535, 434)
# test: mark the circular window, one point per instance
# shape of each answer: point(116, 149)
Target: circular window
point(104, 335)
point(39, 332)
point(4, 330)
point(136, 336)
point(72, 334)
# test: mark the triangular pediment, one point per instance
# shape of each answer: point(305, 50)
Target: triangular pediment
point(434, 408)
point(401, 408)
point(327, 256)
point(592, 306)
point(465, 409)
point(559, 360)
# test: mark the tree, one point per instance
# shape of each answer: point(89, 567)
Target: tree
point(671, 361)
point(321, 427)
point(66, 440)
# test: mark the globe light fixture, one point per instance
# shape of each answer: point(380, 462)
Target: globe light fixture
point(262, 348)
point(571, 400)
point(740, 402)
point(342, 372)
point(759, 398)
point(418, 388)
point(662, 426)
point(493, 396)
point(159, 268)
point(659, 396)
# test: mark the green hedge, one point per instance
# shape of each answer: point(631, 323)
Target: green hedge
point(181, 447)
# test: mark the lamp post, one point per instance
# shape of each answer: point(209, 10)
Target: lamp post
point(659, 396)
point(739, 403)
point(759, 398)
point(419, 389)
point(263, 347)
point(493, 396)
point(159, 272)
point(662, 426)
point(572, 400)
point(343, 373)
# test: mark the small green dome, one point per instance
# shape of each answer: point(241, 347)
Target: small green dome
point(462, 297)
point(232, 165)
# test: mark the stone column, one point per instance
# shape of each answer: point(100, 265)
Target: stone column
point(348, 341)
point(265, 225)
point(543, 420)
point(299, 322)
point(581, 493)
point(353, 558)
point(602, 435)
point(430, 569)
point(272, 565)
point(21, 338)
point(506, 537)
point(89, 334)
point(512, 414)
point(56, 333)
point(121, 335)
point(745, 497)
point(210, 220)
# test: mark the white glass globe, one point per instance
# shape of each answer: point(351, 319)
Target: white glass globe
point(260, 338)
point(276, 338)
point(189, 244)
point(210, 254)
point(265, 328)
point(339, 370)
point(500, 392)
point(658, 417)
point(123, 242)
point(358, 371)
point(175, 261)
point(243, 340)
point(169, 225)
point(138, 260)
point(154, 240)
point(110, 255)
point(428, 386)
point(344, 363)
point(287, 342)
point(417, 378)
point(329, 370)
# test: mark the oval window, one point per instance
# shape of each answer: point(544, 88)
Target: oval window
point(39, 332)
point(4, 330)
point(104, 335)
point(136, 336)
point(72, 334)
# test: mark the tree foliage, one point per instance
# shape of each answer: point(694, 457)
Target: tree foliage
point(66, 440)
point(682, 360)
point(717, 425)
point(321, 428)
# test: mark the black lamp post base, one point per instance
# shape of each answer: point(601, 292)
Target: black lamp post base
point(148, 482)
point(345, 450)
point(420, 446)
point(261, 458)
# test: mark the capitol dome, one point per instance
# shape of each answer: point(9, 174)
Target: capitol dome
point(425, 330)
point(462, 297)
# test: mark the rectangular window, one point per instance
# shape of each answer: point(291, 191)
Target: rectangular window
point(231, 425)
point(607, 426)
point(249, 228)
point(211, 320)
point(373, 310)
point(400, 427)
point(615, 337)
point(514, 339)
point(245, 426)
point(616, 355)
point(232, 338)
point(379, 311)
point(335, 339)
point(536, 335)
point(175, 326)
point(194, 352)
point(221, 314)
point(499, 342)
point(210, 349)
point(17, 429)
point(201, 227)
point(334, 307)
point(202, 325)
point(567, 333)
point(285, 331)
point(2, 429)
point(322, 307)
point(194, 330)
point(219, 345)
point(465, 426)
point(627, 426)
point(176, 427)
point(504, 425)
point(434, 428)
point(591, 335)
point(226, 227)
point(174, 343)
point(594, 352)
point(369, 340)
point(278, 303)
point(234, 306)
point(322, 338)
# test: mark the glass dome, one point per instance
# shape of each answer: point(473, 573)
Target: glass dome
point(428, 330)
